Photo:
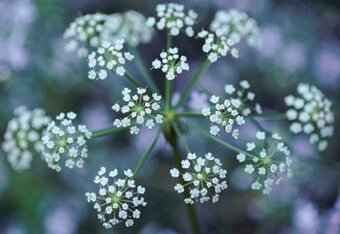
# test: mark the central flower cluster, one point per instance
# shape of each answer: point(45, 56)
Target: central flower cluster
point(172, 17)
point(171, 63)
point(230, 111)
point(204, 178)
point(268, 158)
point(65, 142)
point(142, 109)
point(108, 58)
point(117, 199)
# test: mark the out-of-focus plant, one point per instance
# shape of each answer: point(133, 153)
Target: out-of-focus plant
point(110, 42)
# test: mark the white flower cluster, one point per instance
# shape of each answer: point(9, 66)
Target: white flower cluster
point(217, 46)
point(65, 142)
point(311, 113)
point(23, 137)
point(142, 109)
point(108, 58)
point(172, 17)
point(268, 159)
point(236, 25)
point(228, 112)
point(171, 63)
point(117, 199)
point(85, 31)
point(130, 26)
point(203, 176)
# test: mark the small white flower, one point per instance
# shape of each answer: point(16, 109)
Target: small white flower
point(202, 176)
point(171, 17)
point(23, 137)
point(130, 26)
point(236, 25)
point(109, 57)
point(139, 109)
point(171, 63)
point(118, 199)
point(65, 143)
point(216, 46)
point(230, 112)
point(85, 32)
point(268, 160)
point(311, 114)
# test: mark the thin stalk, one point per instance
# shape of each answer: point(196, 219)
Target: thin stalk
point(146, 154)
point(190, 208)
point(143, 70)
point(132, 80)
point(278, 116)
point(168, 83)
point(192, 82)
point(106, 131)
point(190, 115)
point(219, 141)
point(181, 139)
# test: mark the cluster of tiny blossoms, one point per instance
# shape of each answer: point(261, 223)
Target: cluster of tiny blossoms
point(268, 159)
point(311, 113)
point(236, 25)
point(130, 26)
point(172, 17)
point(230, 111)
point(142, 109)
point(22, 137)
point(108, 58)
point(117, 199)
point(217, 46)
point(203, 176)
point(171, 63)
point(65, 142)
point(85, 31)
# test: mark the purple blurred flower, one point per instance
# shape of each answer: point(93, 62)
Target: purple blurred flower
point(271, 41)
point(327, 65)
point(198, 101)
point(306, 217)
point(61, 220)
point(293, 57)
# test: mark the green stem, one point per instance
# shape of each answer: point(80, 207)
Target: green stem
point(190, 208)
point(168, 83)
point(192, 82)
point(106, 131)
point(146, 154)
point(181, 139)
point(143, 70)
point(190, 115)
point(168, 93)
point(132, 80)
point(269, 116)
point(219, 141)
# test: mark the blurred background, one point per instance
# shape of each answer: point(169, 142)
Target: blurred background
point(301, 42)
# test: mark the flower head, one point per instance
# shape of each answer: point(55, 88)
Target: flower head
point(203, 176)
point(117, 199)
point(172, 18)
point(129, 26)
point(141, 109)
point(236, 25)
point(22, 137)
point(217, 46)
point(198, 101)
point(85, 31)
point(268, 159)
point(171, 63)
point(227, 113)
point(65, 143)
point(311, 113)
point(108, 58)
